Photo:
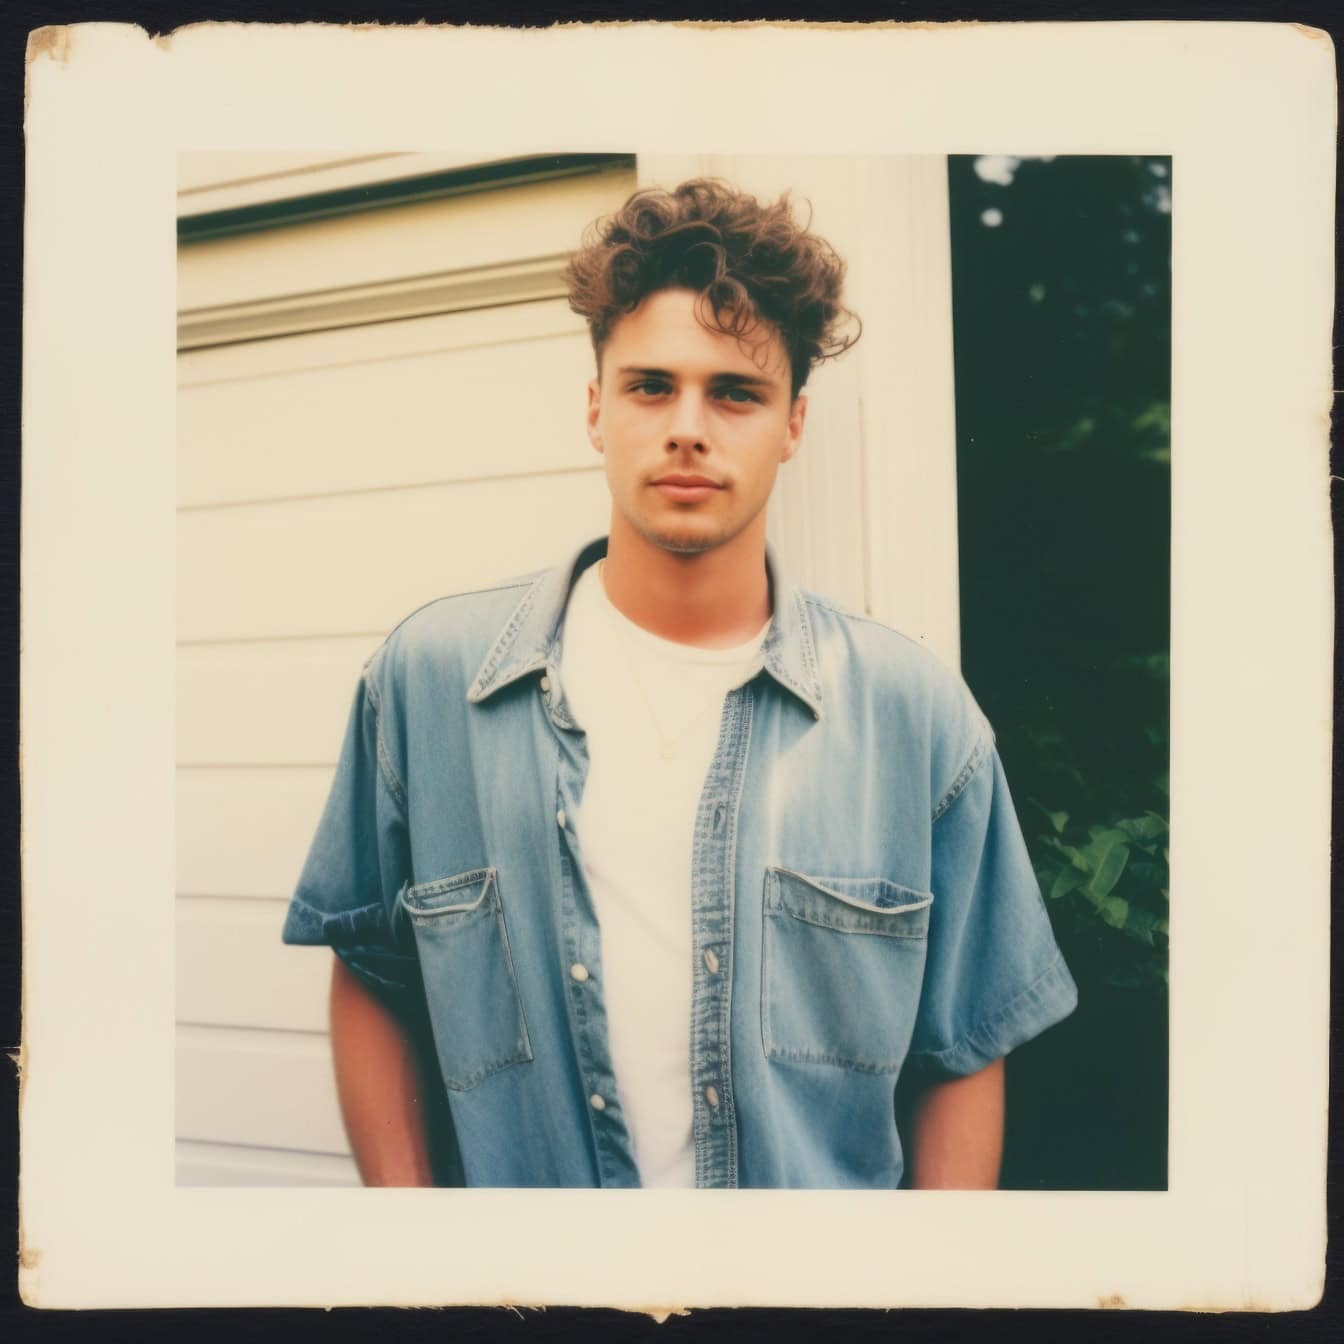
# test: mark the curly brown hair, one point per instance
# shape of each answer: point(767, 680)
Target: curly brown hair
point(752, 263)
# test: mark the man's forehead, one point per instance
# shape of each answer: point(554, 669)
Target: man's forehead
point(672, 325)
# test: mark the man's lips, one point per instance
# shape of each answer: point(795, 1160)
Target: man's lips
point(686, 488)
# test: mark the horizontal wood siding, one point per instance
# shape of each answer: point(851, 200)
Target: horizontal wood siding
point(235, 1164)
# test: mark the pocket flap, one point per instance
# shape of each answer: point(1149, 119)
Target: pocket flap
point(449, 895)
point(850, 904)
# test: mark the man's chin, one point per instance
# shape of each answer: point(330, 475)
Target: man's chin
point(686, 537)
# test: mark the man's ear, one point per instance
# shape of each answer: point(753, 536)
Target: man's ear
point(794, 433)
point(594, 409)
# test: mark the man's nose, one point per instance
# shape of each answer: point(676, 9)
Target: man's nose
point(689, 426)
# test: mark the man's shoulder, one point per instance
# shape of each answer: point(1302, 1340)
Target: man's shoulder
point(876, 649)
point(865, 658)
point(451, 630)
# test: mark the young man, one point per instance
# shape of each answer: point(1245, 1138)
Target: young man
point(680, 866)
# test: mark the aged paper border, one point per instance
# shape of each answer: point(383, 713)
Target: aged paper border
point(1248, 113)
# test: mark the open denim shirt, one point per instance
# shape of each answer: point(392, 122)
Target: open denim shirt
point(861, 897)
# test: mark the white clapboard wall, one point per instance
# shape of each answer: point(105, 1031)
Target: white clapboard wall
point(379, 406)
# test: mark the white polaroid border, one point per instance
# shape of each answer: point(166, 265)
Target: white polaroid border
point(1248, 113)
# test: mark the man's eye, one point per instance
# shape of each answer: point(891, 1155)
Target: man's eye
point(738, 395)
point(650, 387)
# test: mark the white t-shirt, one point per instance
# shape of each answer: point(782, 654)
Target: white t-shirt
point(651, 710)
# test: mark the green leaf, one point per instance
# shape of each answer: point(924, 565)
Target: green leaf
point(1157, 416)
point(1115, 911)
point(1070, 852)
point(1066, 880)
point(1103, 837)
point(1147, 827)
point(1111, 865)
point(1140, 924)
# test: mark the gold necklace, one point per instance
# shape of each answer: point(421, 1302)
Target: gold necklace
point(667, 743)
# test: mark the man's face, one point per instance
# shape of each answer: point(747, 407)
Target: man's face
point(692, 424)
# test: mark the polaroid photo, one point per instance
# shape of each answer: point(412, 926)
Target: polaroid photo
point(725, 663)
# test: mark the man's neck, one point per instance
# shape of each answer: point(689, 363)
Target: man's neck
point(713, 599)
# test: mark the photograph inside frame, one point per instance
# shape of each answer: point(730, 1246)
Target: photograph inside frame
point(672, 670)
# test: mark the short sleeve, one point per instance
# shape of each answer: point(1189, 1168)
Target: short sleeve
point(994, 977)
point(357, 863)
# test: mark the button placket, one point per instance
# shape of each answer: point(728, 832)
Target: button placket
point(581, 965)
point(713, 887)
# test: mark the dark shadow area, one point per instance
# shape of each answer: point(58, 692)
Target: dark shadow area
point(1062, 309)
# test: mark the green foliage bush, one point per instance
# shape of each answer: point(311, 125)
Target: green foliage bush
point(1102, 862)
point(1110, 882)
point(1062, 316)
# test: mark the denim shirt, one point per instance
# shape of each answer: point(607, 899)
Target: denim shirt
point(861, 898)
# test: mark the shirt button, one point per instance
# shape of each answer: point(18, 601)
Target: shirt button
point(579, 972)
point(712, 1095)
point(711, 961)
point(545, 683)
point(560, 818)
point(597, 1102)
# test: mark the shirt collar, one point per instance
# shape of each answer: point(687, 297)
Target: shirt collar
point(530, 640)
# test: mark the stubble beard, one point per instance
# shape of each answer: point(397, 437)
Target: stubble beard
point(688, 535)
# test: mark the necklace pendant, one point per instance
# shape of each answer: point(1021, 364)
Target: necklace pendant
point(666, 750)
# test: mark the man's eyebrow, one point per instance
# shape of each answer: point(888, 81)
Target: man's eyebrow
point(644, 372)
point(745, 379)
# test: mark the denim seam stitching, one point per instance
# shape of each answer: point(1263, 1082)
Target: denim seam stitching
point(818, 923)
point(439, 885)
point(729, 1103)
point(521, 582)
point(979, 753)
point(385, 769)
point(483, 1071)
point(503, 645)
point(821, 1057)
point(818, 883)
point(524, 1044)
point(809, 651)
point(371, 974)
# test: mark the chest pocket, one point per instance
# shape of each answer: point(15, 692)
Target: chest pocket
point(841, 969)
point(470, 984)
